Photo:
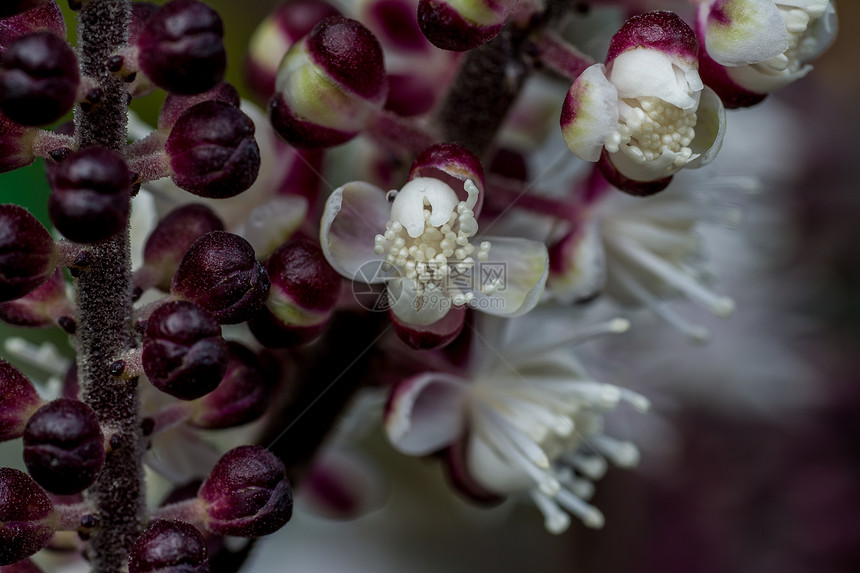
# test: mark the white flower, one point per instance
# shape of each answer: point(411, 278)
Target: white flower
point(529, 413)
point(424, 247)
point(647, 107)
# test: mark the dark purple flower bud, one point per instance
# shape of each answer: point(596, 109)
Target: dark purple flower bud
point(41, 307)
point(90, 199)
point(16, 144)
point(184, 354)
point(39, 79)
point(141, 12)
point(330, 85)
point(461, 26)
point(212, 150)
point(175, 104)
point(182, 47)
point(26, 513)
point(24, 18)
point(27, 254)
point(221, 274)
point(169, 546)
point(304, 291)
point(241, 397)
point(247, 494)
point(172, 238)
point(18, 401)
point(64, 446)
point(282, 28)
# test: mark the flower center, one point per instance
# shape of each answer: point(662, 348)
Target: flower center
point(427, 237)
point(799, 16)
point(648, 127)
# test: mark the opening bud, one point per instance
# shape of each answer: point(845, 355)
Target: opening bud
point(221, 274)
point(64, 446)
point(304, 291)
point(169, 546)
point(170, 240)
point(39, 79)
point(460, 25)
point(212, 150)
point(18, 401)
point(27, 254)
point(282, 28)
point(26, 513)
point(241, 397)
point(183, 352)
point(247, 494)
point(181, 47)
point(90, 199)
point(329, 85)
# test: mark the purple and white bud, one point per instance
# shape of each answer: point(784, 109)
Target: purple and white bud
point(645, 114)
point(242, 395)
point(329, 85)
point(27, 253)
point(169, 546)
point(18, 401)
point(181, 47)
point(304, 291)
point(461, 25)
point(26, 516)
point(283, 27)
point(91, 195)
point(170, 240)
point(749, 48)
point(212, 150)
point(64, 446)
point(247, 494)
point(184, 354)
point(221, 274)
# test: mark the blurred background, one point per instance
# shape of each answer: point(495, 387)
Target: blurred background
point(767, 480)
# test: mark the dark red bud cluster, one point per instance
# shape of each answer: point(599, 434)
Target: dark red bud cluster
point(64, 446)
point(27, 253)
point(247, 494)
point(91, 195)
point(220, 273)
point(169, 546)
point(184, 354)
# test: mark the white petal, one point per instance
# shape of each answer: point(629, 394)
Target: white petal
point(493, 472)
point(342, 485)
point(426, 413)
point(652, 170)
point(755, 32)
point(590, 113)
point(761, 80)
point(522, 266)
point(642, 72)
point(270, 224)
point(410, 307)
point(710, 129)
point(354, 214)
point(408, 207)
point(584, 274)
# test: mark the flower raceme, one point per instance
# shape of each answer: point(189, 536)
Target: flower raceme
point(424, 246)
point(645, 114)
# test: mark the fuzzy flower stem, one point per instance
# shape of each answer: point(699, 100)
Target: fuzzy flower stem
point(104, 307)
point(559, 56)
point(489, 81)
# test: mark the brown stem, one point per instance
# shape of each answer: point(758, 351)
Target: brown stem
point(104, 307)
